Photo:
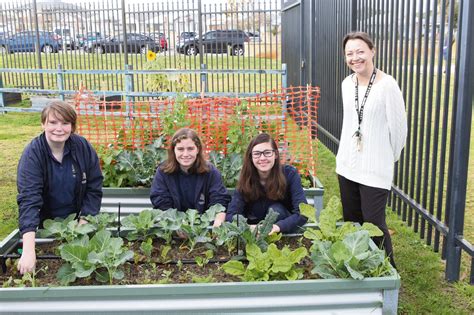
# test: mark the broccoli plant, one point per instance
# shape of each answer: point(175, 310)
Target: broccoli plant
point(102, 220)
point(196, 226)
point(65, 230)
point(141, 226)
point(168, 222)
point(351, 257)
point(102, 255)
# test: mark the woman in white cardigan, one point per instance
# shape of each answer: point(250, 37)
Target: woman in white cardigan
point(373, 135)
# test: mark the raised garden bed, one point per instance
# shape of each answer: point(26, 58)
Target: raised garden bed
point(157, 292)
point(133, 200)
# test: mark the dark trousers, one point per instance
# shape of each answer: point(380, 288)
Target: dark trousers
point(361, 203)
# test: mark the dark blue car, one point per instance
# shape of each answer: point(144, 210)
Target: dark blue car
point(26, 42)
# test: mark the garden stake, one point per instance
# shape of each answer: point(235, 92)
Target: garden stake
point(4, 264)
point(119, 224)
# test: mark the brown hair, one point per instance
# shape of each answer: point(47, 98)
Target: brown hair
point(62, 111)
point(363, 36)
point(249, 181)
point(171, 165)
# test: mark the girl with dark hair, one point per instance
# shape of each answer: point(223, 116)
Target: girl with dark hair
point(186, 180)
point(264, 183)
point(374, 130)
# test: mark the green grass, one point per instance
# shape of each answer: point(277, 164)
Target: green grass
point(423, 289)
point(113, 82)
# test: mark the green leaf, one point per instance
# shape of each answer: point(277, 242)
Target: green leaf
point(66, 274)
point(357, 242)
point(74, 253)
point(102, 276)
point(101, 240)
point(234, 267)
point(313, 234)
point(308, 211)
point(372, 229)
point(340, 252)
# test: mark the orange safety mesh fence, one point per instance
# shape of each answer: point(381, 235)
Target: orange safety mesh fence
point(225, 124)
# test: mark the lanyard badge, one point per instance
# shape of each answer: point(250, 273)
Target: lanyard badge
point(360, 110)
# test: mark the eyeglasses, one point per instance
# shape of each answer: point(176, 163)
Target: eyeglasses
point(266, 153)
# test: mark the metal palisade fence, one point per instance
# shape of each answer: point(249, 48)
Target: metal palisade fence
point(183, 34)
point(427, 47)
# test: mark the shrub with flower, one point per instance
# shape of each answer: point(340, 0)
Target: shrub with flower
point(166, 82)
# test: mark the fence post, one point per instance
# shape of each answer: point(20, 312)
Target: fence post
point(2, 105)
point(462, 130)
point(124, 30)
point(354, 15)
point(60, 82)
point(201, 45)
point(284, 83)
point(128, 90)
point(204, 79)
point(37, 45)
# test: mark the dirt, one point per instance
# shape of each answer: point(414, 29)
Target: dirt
point(178, 266)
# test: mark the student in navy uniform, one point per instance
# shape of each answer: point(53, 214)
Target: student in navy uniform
point(186, 180)
point(58, 174)
point(263, 184)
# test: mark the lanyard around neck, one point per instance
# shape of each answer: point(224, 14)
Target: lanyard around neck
point(360, 110)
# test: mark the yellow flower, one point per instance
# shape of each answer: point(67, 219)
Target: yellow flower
point(150, 56)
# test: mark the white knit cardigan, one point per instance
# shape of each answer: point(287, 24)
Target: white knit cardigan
point(383, 128)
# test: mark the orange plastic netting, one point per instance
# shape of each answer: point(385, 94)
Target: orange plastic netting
point(225, 124)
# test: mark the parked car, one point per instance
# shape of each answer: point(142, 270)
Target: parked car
point(136, 43)
point(218, 41)
point(187, 35)
point(81, 39)
point(49, 42)
point(160, 39)
point(254, 36)
point(65, 37)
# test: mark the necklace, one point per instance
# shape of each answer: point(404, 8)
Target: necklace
point(360, 110)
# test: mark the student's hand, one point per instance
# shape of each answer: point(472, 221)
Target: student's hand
point(27, 262)
point(253, 227)
point(82, 221)
point(275, 229)
point(220, 218)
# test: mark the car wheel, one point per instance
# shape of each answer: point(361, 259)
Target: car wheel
point(3, 50)
point(99, 50)
point(238, 51)
point(47, 49)
point(191, 50)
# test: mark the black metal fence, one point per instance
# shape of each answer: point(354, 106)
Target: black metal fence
point(79, 26)
point(427, 46)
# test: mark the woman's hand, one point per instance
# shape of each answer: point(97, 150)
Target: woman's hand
point(220, 218)
point(275, 229)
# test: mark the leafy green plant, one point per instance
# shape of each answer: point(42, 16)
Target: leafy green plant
point(172, 120)
point(102, 255)
point(242, 129)
point(196, 226)
point(65, 230)
point(202, 261)
point(274, 264)
point(169, 222)
point(142, 225)
point(329, 230)
point(349, 258)
point(28, 278)
point(229, 166)
point(102, 220)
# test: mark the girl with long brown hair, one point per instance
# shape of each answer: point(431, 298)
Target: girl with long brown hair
point(264, 183)
point(186, 180)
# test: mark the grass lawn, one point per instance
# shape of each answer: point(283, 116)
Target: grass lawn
point(423, 290)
